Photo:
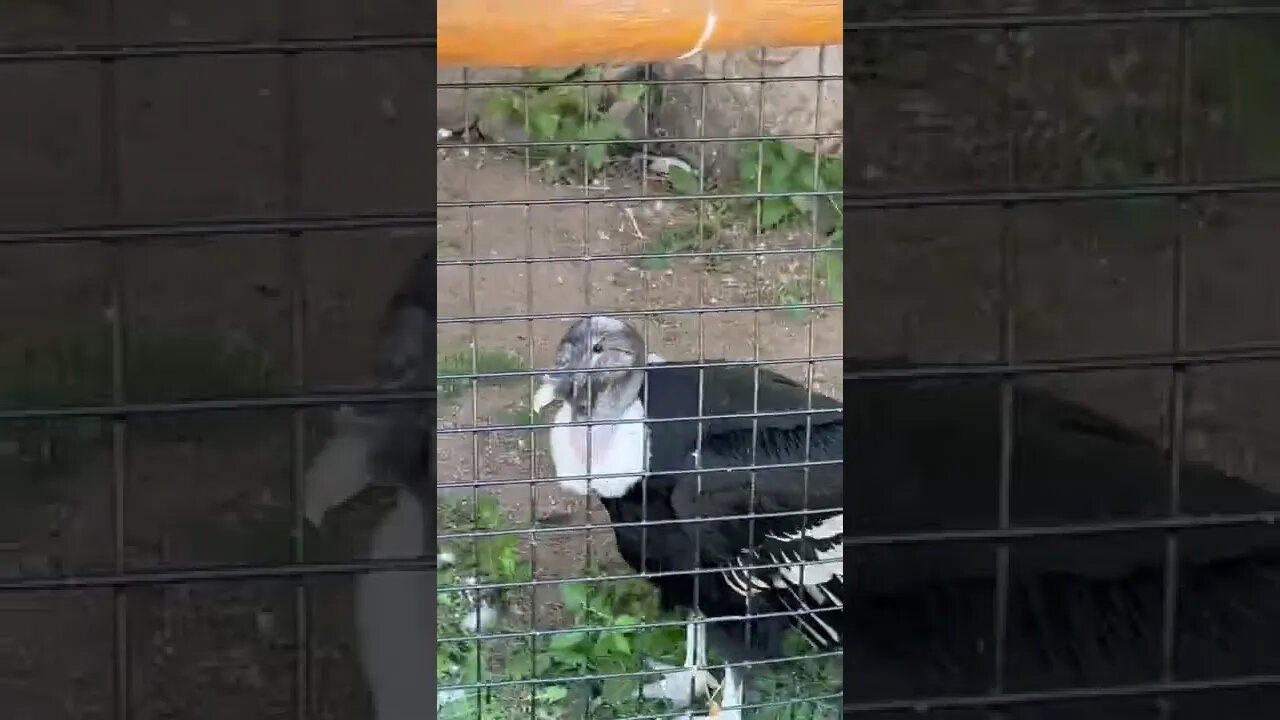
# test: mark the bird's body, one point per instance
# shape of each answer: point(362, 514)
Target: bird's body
point(1079, 609)
point(1082, 610)
point(402, 438)
point(723, 483)
point(391, 445)
point(675, 497)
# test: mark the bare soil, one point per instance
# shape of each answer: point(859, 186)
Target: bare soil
point(468, 460)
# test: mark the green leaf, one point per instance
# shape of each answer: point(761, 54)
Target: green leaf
point(833, 265)
point(565, 641)
point(631, 92)
point(603, 130)
point(803, 203)
point(569, 99)
point(469, 672)
point(804, 175)
point(779, 178)
point(596, 155)
point(545, 125)
point(774, 211)
point(519, 666)
point(499, 108)
point(621, 643)
point(617, 691)
point(552, 693)
point(748, 167)
point(654, 263)
point(683, 181)
point(790, 153)
point(832, 173)
point(570, 127)
point(508, 563)
point(624, 620)
point(488, 513)
point(603, 646)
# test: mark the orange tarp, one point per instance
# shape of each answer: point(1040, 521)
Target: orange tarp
point(556, 33)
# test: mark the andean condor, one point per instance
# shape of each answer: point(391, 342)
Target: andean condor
point(387, 443)
point(1078, 611)
point(391, 444)
point(785, 566)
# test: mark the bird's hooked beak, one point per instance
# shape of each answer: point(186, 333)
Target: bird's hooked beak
point(560, 386)
point(554, 387)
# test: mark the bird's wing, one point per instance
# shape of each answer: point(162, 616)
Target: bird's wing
point(776, 538)
point(737, 405)
point(928, 458)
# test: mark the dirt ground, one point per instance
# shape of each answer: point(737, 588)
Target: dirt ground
point(571, 285)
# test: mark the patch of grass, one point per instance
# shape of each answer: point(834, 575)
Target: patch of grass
point(779, 169)
point(1241, 67)
point(489, 556)
point(795, 295)
point(619, 645)
point(833, 264)
point(75, 369)
point(564, 113)
point(194, 365)
point(690, 236)
point(1236, 70)
point(463, 362)
point(519, 413)
point(253, 534)
point(804, 678)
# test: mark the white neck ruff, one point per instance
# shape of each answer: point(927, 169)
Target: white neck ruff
point(619, 451)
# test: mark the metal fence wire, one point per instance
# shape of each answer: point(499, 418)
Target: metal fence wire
point(712, 235)
point(1072, 196)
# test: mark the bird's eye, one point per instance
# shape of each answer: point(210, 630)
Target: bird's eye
point(598, 347)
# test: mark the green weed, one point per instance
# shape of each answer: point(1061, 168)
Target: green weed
point(464, 362)
point(76, 369)
point(618, 644)
point(692, 236)
point(1240, 69)
point(564, 113)
point(774, 167)
point(519, 413)
point(777, 169)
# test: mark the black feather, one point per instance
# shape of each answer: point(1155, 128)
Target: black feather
point(673, 492)
point(1082, 611)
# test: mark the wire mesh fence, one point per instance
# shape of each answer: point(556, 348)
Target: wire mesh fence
point(1128, 155)
point(628, 192)
point(184, 243)
point(1042, 132)
point(1076, 197)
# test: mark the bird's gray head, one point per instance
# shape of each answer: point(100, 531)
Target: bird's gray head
point(608, 345)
